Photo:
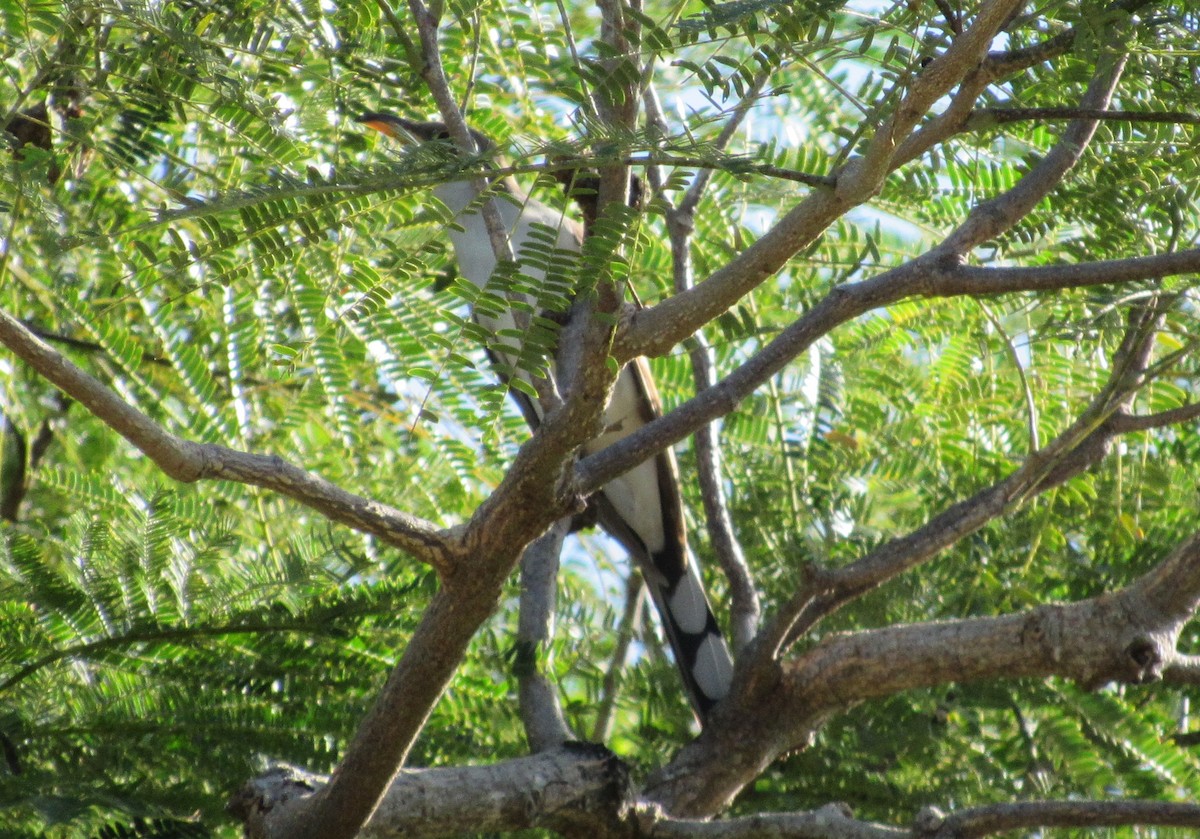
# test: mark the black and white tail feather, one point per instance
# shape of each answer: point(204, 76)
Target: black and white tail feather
point(641, 509)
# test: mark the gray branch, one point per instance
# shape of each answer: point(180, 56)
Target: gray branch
point(1031, 815)
point(833, 821)
point(635, 597)
point(565, 789)
point(545, 727)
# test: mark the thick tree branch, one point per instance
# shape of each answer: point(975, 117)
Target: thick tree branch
point(1007, 62)
point(1184, 670)
point(986, 117)
point(1185, 413)
point(1127, 636)
point(581, 789)
point(1172, 588)
point(1031, 815)
point(1124, 637)
point(389, 729)
point(833, 821)
point(573, 788)
point(187, 461)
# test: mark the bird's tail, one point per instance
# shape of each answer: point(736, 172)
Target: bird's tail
point(700, 650)
point(672, 576)
point(643, 510)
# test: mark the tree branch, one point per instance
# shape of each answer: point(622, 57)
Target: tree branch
point(1184, 670)
point(833, 821)
point(976, 281)
point(930, 275)
point(385, 735)
point(656, 330)
point(187, 461)
point(986, 117)
point(584, 789)
point(990, 218)
point(571, 788)
point(1008, 62)
point(1028, 815)
point(635, 596)
point(935, 273)
point(541, 714)
point(1185, 413)
point(1127, 636)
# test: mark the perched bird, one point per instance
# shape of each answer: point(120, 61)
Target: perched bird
point(642, 509)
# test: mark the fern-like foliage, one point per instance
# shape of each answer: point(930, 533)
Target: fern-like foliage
point(210, 234)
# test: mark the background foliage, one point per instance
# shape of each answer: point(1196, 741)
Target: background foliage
point(226, 248)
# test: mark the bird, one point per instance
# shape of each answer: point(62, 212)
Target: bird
point(642, 509)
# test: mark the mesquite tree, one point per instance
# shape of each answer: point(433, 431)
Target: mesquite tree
point(915, 283)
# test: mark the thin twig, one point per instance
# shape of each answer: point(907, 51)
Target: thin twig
point(745, 608)
point(627, 629)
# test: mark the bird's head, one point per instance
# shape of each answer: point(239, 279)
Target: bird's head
point(411, 132)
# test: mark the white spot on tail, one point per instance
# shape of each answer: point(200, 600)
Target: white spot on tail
point(688, 605)
point(713, 670)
